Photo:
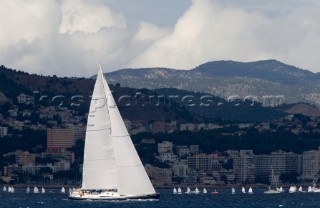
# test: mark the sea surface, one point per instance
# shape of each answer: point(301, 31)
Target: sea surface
point(52, 198)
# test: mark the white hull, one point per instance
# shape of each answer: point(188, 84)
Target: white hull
point(111, 196)
point(272, 192)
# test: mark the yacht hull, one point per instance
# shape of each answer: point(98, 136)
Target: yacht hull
point(155, 196)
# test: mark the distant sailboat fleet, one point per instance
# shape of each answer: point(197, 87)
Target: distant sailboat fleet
point(36, 190)
point(188, 191)
point(292, 189)
point(178, 191)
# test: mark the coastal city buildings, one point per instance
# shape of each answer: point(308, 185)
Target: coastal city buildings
point(172, 162)
point(63, 138)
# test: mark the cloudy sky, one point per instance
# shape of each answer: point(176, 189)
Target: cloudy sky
point(72, 37)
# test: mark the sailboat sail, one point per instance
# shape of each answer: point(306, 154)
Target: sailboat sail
point(99, 162)
point(110, 159)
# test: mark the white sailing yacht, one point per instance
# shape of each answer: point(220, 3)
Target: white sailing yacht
point(270, 190)
point(4, 188)
point(179, 191)
point(250, 191)
point(35, 190)
point(28, 190)
point(63, 190)
point(243, 190)
point(233, 190)
point(112, 169)
point(188, 191)
point(43, 190)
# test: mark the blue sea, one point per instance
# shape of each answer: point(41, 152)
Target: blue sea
point(52, 198)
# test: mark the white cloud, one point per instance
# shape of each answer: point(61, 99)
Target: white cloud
point(205, 32)
point(60, 37)
point(78, 15)
point(148, 31)
point(71, 37)
point(209, 31)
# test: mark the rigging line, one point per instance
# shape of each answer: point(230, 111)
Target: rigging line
point(107, 159)
point(128, 166)
point(98, 129)
point(121, 136)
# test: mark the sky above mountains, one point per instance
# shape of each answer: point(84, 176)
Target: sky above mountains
point(72, 37)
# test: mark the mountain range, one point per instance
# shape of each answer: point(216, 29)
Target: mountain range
point(226, 79)
point(171, 87)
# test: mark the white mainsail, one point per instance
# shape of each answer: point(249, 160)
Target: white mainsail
point(111, 161)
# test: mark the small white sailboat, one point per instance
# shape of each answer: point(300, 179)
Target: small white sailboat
point(196, 191)
point(301, 189)
point(188, 190)
point(12, 189)
point(175, 191)
point(314, 188)
point(179, 191)
point(281, 189)
point(63, 190)
point(250, 191)
point(4, 188)
point(43, 190)
point(233, 190)
point(35, 190)
point(309, 189)
point(205, 190)
point(28, 190)
point(292, 189)
point(243, 190)
point(112, 169)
